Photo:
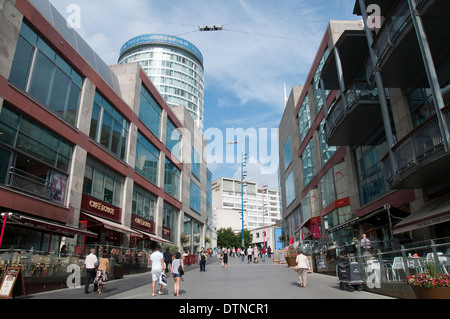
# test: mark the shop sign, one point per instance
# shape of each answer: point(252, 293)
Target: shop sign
point(166, 232)
point(433, 221)
point(143, 224)
point(100, 208)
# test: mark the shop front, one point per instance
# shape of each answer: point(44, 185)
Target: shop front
point(105, 219)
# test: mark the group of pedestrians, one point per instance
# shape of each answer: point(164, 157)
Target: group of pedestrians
point(97, 269)
point(160, 262)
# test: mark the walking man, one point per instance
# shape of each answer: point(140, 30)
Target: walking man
point(249, 254)
point(156, 262)
point(90, 263)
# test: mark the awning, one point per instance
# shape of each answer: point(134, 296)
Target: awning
point(343, 225)
point(51, 226)
point(155, 238)
point(380, 217)
point(434, 212)
point(114, 226)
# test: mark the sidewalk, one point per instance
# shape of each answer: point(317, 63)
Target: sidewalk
point(241, 280)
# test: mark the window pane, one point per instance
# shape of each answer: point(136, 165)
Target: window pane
point(94, 121)
point(116, 138)
point(72, 104)
point(98, 189)
point(42, 78)
point(59, 93)
point(21, 64)
point(4, 164)
point(106, 129)
point(36, 149)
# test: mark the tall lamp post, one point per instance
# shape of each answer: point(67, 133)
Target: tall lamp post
point(5, 216)
point(243, 175)
point(263, 189)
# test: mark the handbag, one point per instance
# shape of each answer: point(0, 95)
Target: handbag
point(180, 270)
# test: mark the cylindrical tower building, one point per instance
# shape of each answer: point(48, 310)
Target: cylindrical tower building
point(174, 65)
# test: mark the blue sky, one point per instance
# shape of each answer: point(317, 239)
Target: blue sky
point(265, 45)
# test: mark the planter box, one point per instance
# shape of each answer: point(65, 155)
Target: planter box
point(431, 293)
point(291, 261)
point(118, 272)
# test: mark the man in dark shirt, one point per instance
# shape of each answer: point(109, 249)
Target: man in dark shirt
point(167, 259)
point(203, 260)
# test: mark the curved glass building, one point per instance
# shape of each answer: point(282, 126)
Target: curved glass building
point(174, 65)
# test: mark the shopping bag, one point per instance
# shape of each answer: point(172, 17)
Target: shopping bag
point(163, 280)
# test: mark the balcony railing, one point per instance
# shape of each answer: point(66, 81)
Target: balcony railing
point(395, 24)
point(425, 140)
point(357, 92)
point(30, 184)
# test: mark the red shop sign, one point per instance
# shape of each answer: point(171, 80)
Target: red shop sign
point(142, 224)
point(101, 208)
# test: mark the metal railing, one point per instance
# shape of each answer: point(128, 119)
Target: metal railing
point(30, 183)
point(423, 141)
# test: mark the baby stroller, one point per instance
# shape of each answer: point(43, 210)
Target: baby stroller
point(350, 275)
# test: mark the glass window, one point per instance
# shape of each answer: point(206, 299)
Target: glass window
point(149, 112)
point(327, 151)
point(173, 139)
point(108, 127)
point(146, 162)
point(172, 179)
point(290, 189)
point(42, 78)
point(369, 169)
point(144, 203)
point(304, 118)
point(195, 197)
point(22, 63)
point(287, 153)
point(53, 82)
point(4, 164)
point(102, 183)
point(195, 157)
point(309, 163)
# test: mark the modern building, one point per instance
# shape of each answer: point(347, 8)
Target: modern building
point(261, 205)
point(89, 153)
point(364, 142)
point(175, 67)
point(268, 236)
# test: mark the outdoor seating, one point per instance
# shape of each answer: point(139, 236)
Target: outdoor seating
point(397, 265)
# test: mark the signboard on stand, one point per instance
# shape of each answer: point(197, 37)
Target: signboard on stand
point(13, 284)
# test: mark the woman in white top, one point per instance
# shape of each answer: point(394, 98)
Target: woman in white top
point(302, 268)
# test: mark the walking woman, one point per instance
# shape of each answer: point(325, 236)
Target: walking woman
point(302, 268)
point(176, 263)
point(102, 272)
point(225, 258)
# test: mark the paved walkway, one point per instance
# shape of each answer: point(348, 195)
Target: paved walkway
point(241, 280)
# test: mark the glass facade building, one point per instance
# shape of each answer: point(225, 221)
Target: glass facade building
point(175, 67)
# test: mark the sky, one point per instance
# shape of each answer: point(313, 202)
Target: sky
point(265, 46)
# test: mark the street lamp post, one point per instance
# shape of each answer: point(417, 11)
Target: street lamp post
point(263, 211)
point(243, 175)
point(5, 216)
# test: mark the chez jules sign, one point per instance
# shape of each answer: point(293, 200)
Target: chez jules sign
point(100, 208)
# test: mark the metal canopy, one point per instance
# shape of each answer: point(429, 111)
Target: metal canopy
point(353, 49)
